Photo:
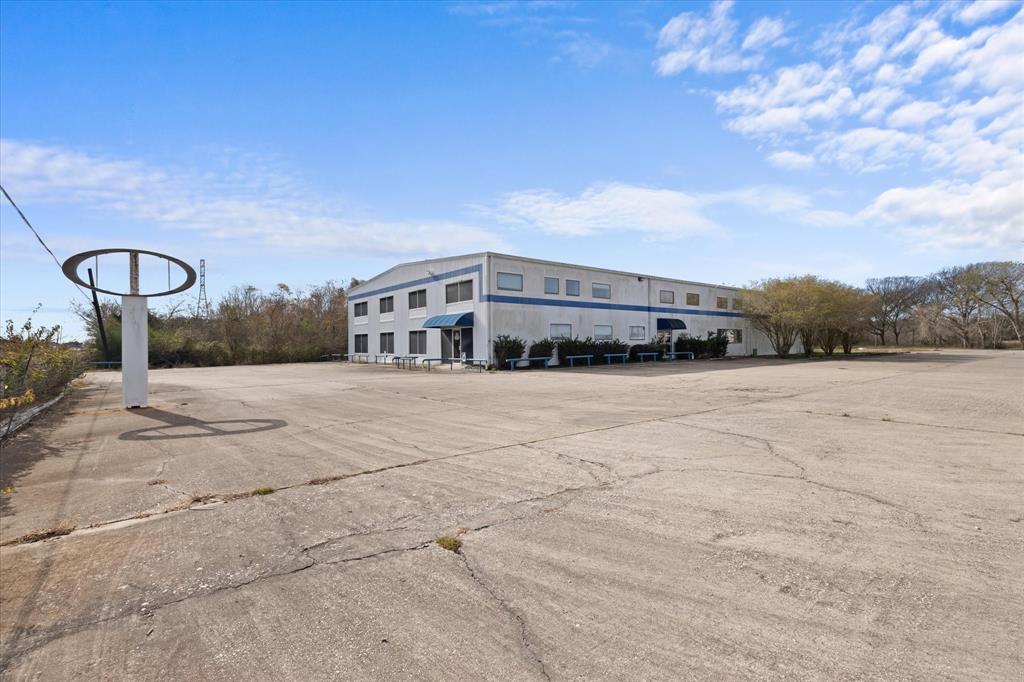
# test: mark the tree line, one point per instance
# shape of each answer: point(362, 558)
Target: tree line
point(246, 326)
point(971, 306)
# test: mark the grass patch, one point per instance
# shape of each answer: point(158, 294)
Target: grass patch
point(263, 490)
point(42, 534)
point(156, 481)
point(449, 543)
point(324, 480)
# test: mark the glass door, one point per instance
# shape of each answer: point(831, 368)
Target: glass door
point(467, 341)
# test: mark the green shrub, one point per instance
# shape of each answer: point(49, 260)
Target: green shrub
point(542, 348)
point(601, 348)
point(651, 347)
point(711, 347)
point(574, 346)
point(506, 348)
point(34, 366)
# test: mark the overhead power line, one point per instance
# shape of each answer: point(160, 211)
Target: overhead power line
point(40, 239)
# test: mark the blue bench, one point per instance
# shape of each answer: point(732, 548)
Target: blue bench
point(621, 356)
point(512, 362)
point(429, 362)
point(479, 363)
point(573, 358)
point(378, 356)
point(353, 356)
point(673, 356)
point(403, 360)
point(653, 356)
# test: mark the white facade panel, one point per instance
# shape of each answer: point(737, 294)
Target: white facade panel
point(522, 306)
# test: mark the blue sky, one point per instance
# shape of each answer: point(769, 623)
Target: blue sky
point(710, 141)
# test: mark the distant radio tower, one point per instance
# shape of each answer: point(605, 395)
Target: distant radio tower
point(203, 304)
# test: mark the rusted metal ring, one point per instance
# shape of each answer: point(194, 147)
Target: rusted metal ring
point(70, 269)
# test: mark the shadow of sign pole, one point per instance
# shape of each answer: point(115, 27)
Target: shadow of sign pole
point(195, 428)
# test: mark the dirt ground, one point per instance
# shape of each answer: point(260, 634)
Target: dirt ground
point(746, 519)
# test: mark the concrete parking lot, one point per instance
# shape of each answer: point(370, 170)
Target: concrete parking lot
point(746, 519)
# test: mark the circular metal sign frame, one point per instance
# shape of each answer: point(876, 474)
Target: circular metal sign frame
point(70, 268)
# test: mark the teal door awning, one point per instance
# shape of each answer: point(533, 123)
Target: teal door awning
point(445, 321)
point(667, 323)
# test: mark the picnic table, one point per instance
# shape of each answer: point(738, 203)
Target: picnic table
point(352, 356)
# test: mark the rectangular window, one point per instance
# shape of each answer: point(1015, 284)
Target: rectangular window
point(510, 281)
point(667, 296)
point(418, 342)
point(598, 290)
point(387, 342)
point(722, 302)
point(417, 299)
point(602, 332)
point(572, 287)
point(638, 333)
point(734, 335)
point(458, 292)
point(362, 343)
point(387, 304)
point(737, 303)
point(560, 331)
point(692, 299)
point(361, 309)
point(550, 285)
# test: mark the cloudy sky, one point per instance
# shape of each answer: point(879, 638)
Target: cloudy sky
point(718, 142)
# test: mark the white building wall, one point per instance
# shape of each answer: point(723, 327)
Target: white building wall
point(529, 313)
point(433, 276)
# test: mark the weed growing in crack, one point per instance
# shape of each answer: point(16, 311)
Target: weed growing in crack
point(263, 490)
point(41, 534)
point(449, 543)
point(156, 481)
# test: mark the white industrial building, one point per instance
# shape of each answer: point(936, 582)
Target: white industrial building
point(455, 307)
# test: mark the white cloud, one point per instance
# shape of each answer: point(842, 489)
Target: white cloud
point(605, 208)
point(983, 9)
point(707, 44)
point(765, 33)
point(655, 213)
point(915, 114)
point(791, 160)
point(260, 207)
point(947, 213)
point(868, 57)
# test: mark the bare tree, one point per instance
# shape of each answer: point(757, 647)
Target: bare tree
point(956, 289)
point(1001, 288)
point(895, 299)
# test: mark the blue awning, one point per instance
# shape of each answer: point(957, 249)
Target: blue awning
point(445, 321)
point(666, 323)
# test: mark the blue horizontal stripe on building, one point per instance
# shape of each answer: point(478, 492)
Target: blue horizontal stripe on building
point(562, 303)
point(478, 269)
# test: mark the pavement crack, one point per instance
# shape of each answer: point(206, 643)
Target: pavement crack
point(526, 641)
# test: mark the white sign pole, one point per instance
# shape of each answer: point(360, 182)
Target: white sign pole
point(134, 350)
point(134, 341)
point(134, 316)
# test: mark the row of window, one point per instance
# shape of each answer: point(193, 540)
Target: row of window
point(454, 293)
point(417, 342)
point(510, 281)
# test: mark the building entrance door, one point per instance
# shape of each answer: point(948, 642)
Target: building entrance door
point(455, 342)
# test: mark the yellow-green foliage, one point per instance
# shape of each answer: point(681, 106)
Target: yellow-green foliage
point(34, 366)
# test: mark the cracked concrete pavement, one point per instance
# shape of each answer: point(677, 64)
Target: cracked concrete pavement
point(753, 519)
